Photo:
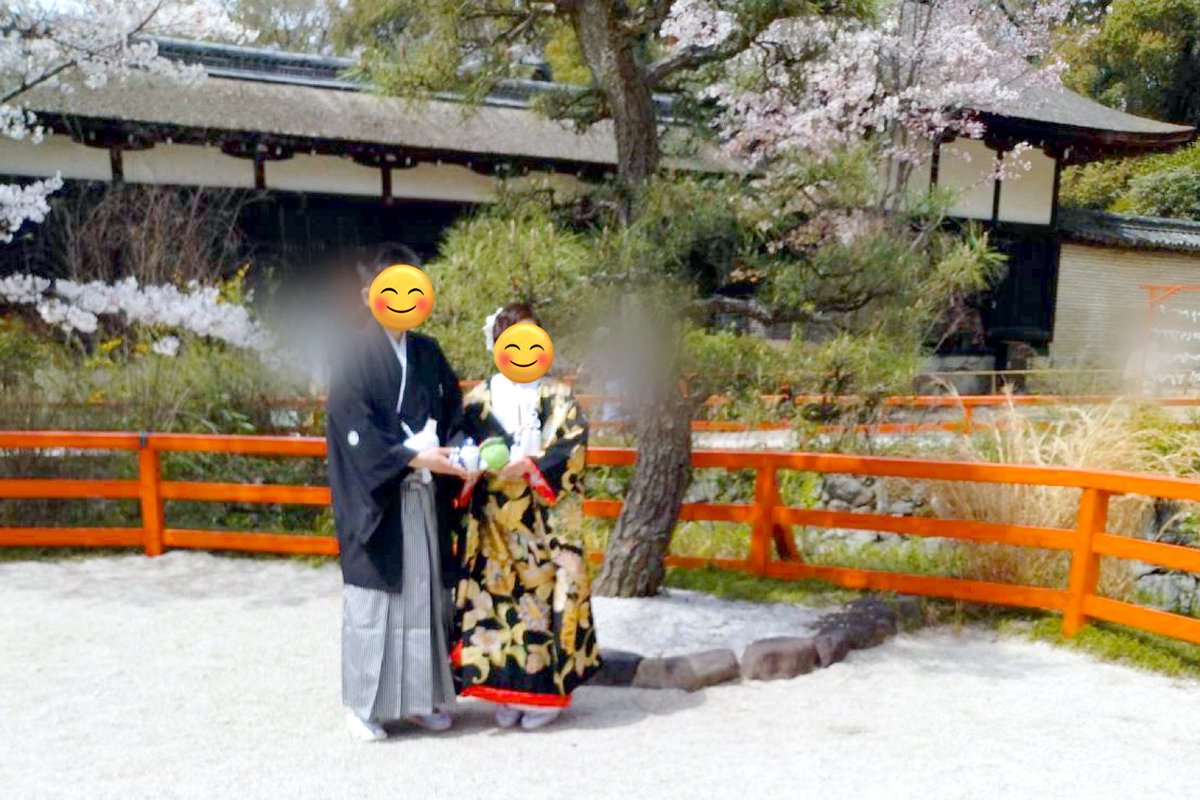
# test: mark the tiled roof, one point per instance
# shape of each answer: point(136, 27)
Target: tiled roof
point(1122, 230)
point(307, 99)
point(1061, 106)
point(329, 72)
point(312, 101)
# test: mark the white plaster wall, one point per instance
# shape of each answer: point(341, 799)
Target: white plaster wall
point(187, 165)
point(450, 182)
point(195, 165)
point(1027, 195)
point(964, 168)
point(325, 174)
point(54, 155)
point(1100, 308)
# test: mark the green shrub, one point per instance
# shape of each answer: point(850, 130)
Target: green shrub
point(20, 353)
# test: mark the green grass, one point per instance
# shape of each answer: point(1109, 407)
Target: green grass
point(62, 553)
point(1120, 645)
point(914, 555)
point(13, 554)
point(738, 586)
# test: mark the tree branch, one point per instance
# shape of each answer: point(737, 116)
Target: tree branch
point(50, 74)
point(693, 56)
point(719, 304)
point(651, 17)
point(585, 107)
point(29, 85)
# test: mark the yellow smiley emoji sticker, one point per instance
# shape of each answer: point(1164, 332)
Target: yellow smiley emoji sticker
point(524, 352)
point(401, 297)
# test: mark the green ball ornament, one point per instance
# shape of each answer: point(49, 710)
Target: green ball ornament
point(494, 453)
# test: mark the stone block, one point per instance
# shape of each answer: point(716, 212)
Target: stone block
point(688, 672)
point(846, 488)
point(779, 658)
point(861, 630)
point(862, 634)
point(832, 647)
point(873, 607)
point(617, 668)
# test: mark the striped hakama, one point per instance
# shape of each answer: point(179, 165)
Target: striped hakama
point(395, 658)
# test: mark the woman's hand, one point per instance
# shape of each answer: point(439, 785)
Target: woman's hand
point(437, 459)
point(515, 470)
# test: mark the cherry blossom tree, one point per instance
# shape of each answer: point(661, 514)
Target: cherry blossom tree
point(78, 45)
point(906, 80)
point(87, 307)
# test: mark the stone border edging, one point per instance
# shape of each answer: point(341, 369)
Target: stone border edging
point(860, 624)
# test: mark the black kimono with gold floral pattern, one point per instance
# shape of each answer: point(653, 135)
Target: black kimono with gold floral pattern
point(523, 601)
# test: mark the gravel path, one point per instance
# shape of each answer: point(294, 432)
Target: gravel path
point(195, 676)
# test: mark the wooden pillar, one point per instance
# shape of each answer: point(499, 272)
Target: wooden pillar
point(766, 497)
point(116, 164)
point(385, 182)
point(1085, 564)
point(149, 476)
point(996, 181)
point(1058, 166)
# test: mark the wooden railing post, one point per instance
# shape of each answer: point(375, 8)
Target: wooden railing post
point(149, 476)
point(1085, 564)
point(766, 497)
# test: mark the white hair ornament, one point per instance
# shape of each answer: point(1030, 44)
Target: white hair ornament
point(489, 326)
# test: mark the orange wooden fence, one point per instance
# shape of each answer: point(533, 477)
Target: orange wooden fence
point(771, 551)
point(965, 405)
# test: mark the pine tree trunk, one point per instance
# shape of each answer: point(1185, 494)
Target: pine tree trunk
point(621, 76)
point(633, 564)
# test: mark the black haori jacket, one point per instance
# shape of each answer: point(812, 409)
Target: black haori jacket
point(367, 458)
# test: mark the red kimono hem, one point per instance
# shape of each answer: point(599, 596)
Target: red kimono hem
point(514, 697)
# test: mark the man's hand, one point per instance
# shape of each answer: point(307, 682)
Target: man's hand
point(437, 459)
point(515, 470)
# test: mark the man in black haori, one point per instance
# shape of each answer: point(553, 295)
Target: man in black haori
point(393, 402)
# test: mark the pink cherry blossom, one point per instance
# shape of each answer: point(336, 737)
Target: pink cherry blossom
point(79, 45)
point(813, 84)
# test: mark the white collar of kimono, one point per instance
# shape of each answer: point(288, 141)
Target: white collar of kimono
point(400, 346)
point(514, 405)
point(427, 437)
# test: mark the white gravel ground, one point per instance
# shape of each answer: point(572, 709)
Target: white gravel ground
point(683, 622)
point(194, 676)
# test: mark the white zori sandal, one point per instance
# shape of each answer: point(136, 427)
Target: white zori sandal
point(532, 720)
point(364, 730)
point(507, 716)
point(438, 721)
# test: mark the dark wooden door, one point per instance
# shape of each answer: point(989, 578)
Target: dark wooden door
point(1020, 307)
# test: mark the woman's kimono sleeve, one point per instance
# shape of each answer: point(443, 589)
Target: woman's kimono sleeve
point(560, 468)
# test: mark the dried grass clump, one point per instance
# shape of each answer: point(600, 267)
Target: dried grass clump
point(1118, 436)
